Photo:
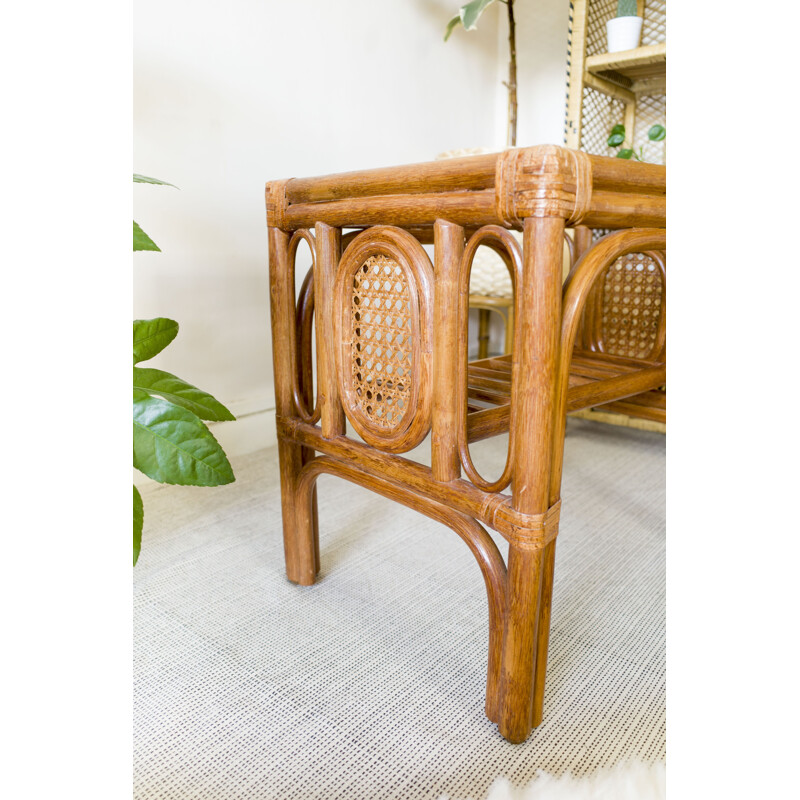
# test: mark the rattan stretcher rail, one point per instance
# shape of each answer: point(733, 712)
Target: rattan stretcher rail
point(390, 327)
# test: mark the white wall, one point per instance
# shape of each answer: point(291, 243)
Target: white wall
point(228, 96)
point(542, 29)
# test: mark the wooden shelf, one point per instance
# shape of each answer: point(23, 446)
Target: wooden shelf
point(618, 383)
point(639, 70)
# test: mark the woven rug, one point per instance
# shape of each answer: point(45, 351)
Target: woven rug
point(370, 684)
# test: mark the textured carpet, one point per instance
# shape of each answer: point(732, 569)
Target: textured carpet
point(370, 684)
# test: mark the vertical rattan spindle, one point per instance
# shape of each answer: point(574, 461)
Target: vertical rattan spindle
point(329, 244)
point(583, 241)
point(448, 250)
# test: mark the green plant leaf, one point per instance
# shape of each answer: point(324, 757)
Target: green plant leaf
point(144, 179)
point(151, 336)
point(171, 445)
point(618, 128)
point(141, 241)
point(657, 133)
point(178, 391)
point(616, 139)
point(471, 12)
point(138, 524)
point(626, 153)
point(450, 25)
point(468, 16)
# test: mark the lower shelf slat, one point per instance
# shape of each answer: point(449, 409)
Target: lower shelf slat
point(613, 383)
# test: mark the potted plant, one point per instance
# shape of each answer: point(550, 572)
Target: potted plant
point(171, 444)
point(625, 29)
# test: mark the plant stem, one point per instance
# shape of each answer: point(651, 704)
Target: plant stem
point(511, 138)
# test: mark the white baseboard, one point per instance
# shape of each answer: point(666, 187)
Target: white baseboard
point(249, 432)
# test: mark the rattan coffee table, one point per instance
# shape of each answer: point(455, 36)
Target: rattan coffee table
point(390, 327)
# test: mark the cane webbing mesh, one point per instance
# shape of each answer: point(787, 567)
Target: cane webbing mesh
point(631, 306)
point(599, 12)
point(600, 114)
point(654, 27)
point(650, 110)
point(381, 346)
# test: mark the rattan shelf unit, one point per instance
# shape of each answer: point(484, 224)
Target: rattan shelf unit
point(605, 89)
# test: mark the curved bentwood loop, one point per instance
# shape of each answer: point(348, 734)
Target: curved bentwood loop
point(473, 534)
point(383, 314)
point(507, 247)
point(589, 269)
point(659, 346)
point(302, 369)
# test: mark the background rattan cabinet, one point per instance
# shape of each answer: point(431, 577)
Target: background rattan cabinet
point(603, 90)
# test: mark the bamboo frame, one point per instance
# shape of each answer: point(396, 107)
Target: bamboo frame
point(556, 365)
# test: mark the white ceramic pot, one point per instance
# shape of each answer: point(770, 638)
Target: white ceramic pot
point(623, 33)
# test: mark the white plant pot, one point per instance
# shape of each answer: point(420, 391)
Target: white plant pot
point(623, 33)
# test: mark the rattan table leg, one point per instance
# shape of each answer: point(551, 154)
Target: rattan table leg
point(300, 538)
point(519, 643)
point(534, 381)
point(543, 632)
point(300, 528)
point(483, 333)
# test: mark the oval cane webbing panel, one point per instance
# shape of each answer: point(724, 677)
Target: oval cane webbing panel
point(382, 356)
point(383, 317)
point(632, 292)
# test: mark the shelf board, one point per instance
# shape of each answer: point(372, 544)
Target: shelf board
point(632, 69)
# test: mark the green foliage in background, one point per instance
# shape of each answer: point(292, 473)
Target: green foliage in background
point(617, 138)
point(171, 444)
point(141, 241)
point(468, 16)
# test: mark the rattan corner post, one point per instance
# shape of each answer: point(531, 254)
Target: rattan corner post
point(391, 330)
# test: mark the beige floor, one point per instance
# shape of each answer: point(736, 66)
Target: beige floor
point(370, 684)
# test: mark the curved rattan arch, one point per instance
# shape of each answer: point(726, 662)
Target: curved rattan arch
point(507, 247)
point(571, 248)
point(624, 274)
point(580, 281)
point(302, 383)
point(660, 344)
point(402, 250)
point(473, 534)
point(594, 331)
point(305, 371)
